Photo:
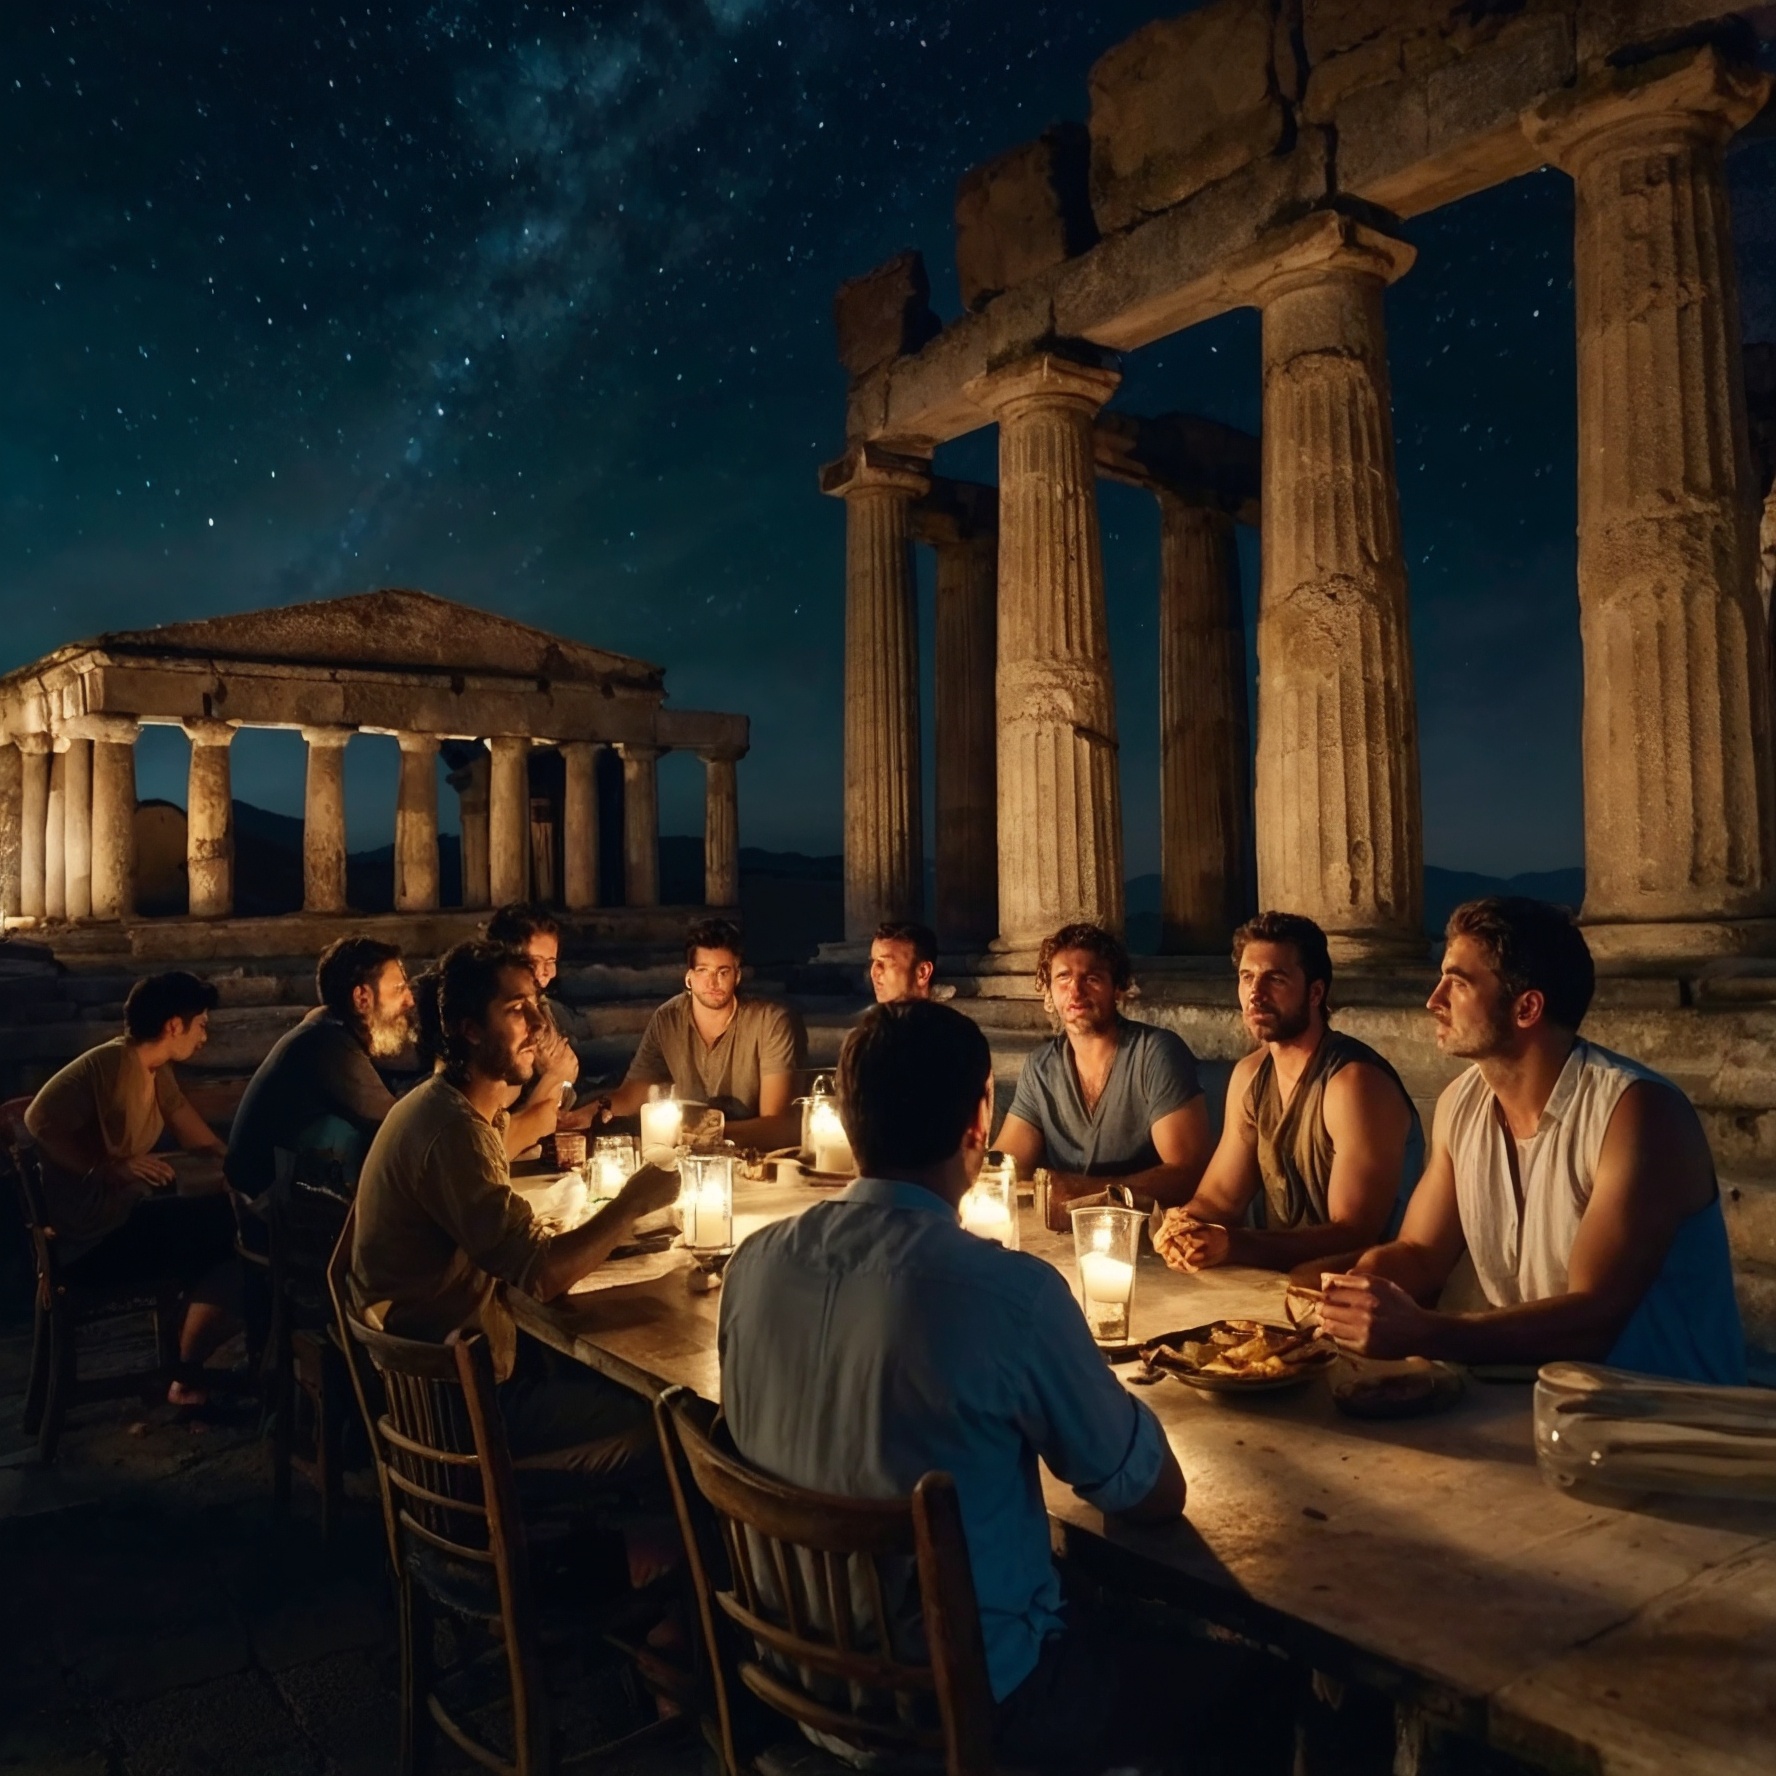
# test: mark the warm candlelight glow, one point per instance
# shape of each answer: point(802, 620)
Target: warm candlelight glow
point(1106, 1242)
point(706, 1201)
point(662, 1125)
point(831, 1147)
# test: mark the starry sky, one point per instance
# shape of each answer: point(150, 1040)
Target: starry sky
point(530, 306)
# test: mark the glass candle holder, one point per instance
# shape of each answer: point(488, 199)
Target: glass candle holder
point(706, 1201)
point(615, 1159)
point(989, 1207)
point(662, 1129)
point(1106, 1242)
point(827, 1139)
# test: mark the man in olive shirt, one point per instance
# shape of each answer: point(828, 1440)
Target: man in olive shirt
point(711, 1046)
point(439, 1226)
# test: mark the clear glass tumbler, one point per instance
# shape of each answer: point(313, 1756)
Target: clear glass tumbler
point(1106, 1243)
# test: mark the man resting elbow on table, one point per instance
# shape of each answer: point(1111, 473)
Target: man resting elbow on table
point(1578, 1181)
point(1109, 1098)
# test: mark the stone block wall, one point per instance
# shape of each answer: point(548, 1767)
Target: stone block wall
point(883, 313)
point(1023, 212)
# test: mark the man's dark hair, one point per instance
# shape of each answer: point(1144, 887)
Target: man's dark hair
point(911, 1077)
point(1532, 944)
point(514, 926)
point(1105, 945)
point(158, 998)
point(430, 1038)
point(713, 934)
point(910, 931)
point(1300, 933)
point(348, 964)
point(469, 982)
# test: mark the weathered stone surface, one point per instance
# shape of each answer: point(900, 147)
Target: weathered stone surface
point(1181, 104)
point(579, 821)
point(1022, 212)
point(1337, 27)
point(416, 825)
point(508, 819)
point(209, 821)
point(1606, 28)
point(12, 801)
point(641, 826)
point(77, 828)
point(721, 831)
point(323, 821)
point(883, 313)
point(967, 825)
point(237, 1723)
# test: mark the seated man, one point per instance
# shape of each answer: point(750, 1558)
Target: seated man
point(97, 1123)
point(544, 1105)
point(1579, 1182)
point(1108, 1097)
point(870, 1340)
point(711, 1046)
point(903, 958)
point(1317, 1122)
point(439, 1226)
point(319, 1087)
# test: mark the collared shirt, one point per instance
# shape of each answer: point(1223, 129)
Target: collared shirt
point(103, 1105)
point(1153, 1074)
point(439, 1224)
point(869, 1340)
point(315, 1073)
point(763, 1038)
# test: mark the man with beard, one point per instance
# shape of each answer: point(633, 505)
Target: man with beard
point(318, 1089)
point(1316, 1120)
point(1578, 1181)
point(439, 1226)
point(1108, 1097)
point(711, 1046)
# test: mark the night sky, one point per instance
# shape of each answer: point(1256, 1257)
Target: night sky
point(530, 307)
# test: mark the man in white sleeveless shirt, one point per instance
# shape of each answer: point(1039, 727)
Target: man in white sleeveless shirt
point(1579, 1182)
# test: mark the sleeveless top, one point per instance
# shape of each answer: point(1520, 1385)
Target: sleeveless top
point(1294, 1149)
point(1687, 1325)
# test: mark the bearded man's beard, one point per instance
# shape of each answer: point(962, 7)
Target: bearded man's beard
point(392, 1034)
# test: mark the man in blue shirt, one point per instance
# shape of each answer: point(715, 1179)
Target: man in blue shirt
point(870, 1340)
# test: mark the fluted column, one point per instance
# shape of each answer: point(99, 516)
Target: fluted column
point(33, 820)
point(1680, 824)
point(77, 827)
point(1060, 803)
point(967, 774)
point(12, 810)
point(416, 825)
point(884, 827)
point(579, 825)
point(323, 821)
point(209, 820)
point(113, 815)
point(1205, 794)
point(55, 830)
point(641, 825)
point(508, 819)
point(470, 783)
point(721, 829)
point(1340, 835)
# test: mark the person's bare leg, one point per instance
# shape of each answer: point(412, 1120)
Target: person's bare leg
point(212, 1317)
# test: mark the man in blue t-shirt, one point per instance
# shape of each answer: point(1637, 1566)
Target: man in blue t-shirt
point(1108, 1097)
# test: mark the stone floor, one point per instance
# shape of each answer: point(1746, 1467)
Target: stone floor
point(157, 1620)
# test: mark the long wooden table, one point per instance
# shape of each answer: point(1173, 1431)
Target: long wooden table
point(1425, 1556)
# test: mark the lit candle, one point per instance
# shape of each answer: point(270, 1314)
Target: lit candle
point(662, 1122)
point(832, 1150)
point(706, 1201)
point(986, 1215)
point(989, 1208)
point(613, 1161)
point(1105, 1244)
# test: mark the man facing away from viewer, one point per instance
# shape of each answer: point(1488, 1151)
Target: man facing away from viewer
point(1578, 1181)
point(1109, 1097)
point(902, 960)
point(1318, 1124)
point(870, 1340)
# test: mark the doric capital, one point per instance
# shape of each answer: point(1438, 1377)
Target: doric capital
point(868, 468)
point(421, 743)
point(1325, 244)
point(722, 755)
point(327, 738)
point(504, 745)
point(1045, 379)
point(115, 730)
point(208, 731)
point(641, 752)
point(1697, 92)
point(36, 743)
point(581, 748)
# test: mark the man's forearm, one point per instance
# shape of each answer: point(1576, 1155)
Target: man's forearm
point(526, 1126)
point(579, 1252)
point(1167, 1185)
point(1267, 1248)
point(629, 1097)
point(1572, 1328)
point(766, 1132)
point(1407, 1265)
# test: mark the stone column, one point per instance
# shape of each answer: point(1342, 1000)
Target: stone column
point(209, 820)
point(77, 827)
point(323, 821)
point(55, 833)
point(1680, 853)
point(508, 819)
point(113, 815)
point(967, 826)
point(33, 820)
point(579, 825)
point(1205, 772)
point(884, 830)
point(12, 812)
point(721, 829)
point(1060, 804)
point(1340, 835)
point(470, 783)
point(641, 825)
point(416, 825)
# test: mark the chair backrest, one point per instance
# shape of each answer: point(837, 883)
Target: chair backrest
point(366, 1384)
point(27, 1172)
point(304, 1221)
point(855, 1617)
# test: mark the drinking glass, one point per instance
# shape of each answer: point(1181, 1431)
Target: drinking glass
point(1106, 1243)
point(706, 1201)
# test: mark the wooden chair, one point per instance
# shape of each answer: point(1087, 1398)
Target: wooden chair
point(61, 1309)
point(461, 1549)
point(796, 1593)
point(366, 1384)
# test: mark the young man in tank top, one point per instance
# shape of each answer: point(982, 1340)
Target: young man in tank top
point(1317, 1122)
point(1578, 1181)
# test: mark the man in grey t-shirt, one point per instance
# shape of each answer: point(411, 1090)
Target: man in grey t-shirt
point(1108, 1097)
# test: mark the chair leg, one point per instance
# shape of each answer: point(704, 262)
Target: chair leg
point(284, 1393)
point(416, 1675)
point(330, 1408)
point(37, 1389)
point(59, 1392)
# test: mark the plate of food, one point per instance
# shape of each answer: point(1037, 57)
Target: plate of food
point(1240, 1356)
point(1404, 1388)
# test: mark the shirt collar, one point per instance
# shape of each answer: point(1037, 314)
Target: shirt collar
point(1566, 1086)
point(889, 1193)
